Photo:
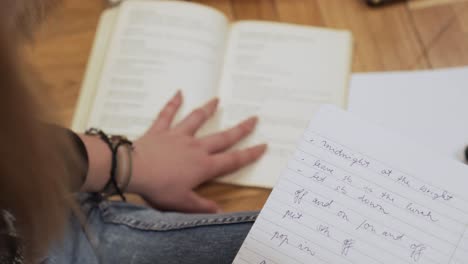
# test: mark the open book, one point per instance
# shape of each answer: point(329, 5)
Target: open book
point(146, 50)
point(355, 193)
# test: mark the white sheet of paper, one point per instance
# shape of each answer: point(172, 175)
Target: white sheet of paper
point(428, 106)
point(356, 193)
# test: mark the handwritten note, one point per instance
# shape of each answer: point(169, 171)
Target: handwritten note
point(355, 193)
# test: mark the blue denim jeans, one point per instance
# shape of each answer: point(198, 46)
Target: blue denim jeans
point(118, 232)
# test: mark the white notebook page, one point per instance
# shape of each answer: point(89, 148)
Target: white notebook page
point(354, 193)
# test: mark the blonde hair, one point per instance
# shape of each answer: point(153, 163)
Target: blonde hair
point(34, 175)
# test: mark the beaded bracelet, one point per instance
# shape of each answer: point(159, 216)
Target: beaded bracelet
point(121, 165)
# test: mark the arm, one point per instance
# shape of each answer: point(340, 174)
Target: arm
point(169, 161)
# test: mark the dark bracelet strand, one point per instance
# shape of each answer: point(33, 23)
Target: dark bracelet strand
point(104, 137)
point(114, 165)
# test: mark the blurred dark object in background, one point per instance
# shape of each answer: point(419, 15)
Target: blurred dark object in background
point(375, 3)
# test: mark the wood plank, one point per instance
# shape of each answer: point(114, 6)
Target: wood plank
point(235, 198)
point(420, 4)
point(60, 52)
point(461, 12)
point(443, 31)
point(385, 38)
point(430, 22)
point(255, 9)
point(304, 12)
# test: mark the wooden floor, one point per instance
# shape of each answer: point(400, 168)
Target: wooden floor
point(420, 34)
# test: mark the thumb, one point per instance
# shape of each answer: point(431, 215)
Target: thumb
point(197, 204)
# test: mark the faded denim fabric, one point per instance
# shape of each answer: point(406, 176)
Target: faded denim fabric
point(119, 232)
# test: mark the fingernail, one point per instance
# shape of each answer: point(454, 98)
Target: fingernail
point(211, 106)
point(177, 96)
point(215, 101)
point(263, 151)
point(252, 121)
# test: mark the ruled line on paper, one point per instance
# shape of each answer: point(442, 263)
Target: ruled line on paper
point(458, 243)
point(459, 196)
point(261, 256)
point(452, 245)
point(335, 227)
point(350, 207)
point(372, 183)
point(347, 233)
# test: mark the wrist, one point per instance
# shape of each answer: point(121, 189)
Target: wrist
point(100, 159)
point(120, 160)
point(122, 166)
point(137, 182)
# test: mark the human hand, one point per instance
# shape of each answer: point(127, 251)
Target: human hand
point(169, 161)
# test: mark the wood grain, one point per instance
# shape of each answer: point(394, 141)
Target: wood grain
point(397, 37)
point(299, 12)
point(445, 36)
point(254, 9)
point(420, 4)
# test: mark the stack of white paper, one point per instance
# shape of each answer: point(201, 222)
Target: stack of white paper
point(427, 106)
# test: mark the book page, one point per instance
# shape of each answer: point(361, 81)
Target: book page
point(281, 73)
point(158, 48)
point(437, 99)
point(355, 193)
